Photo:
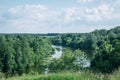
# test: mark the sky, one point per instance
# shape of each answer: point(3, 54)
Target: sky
point(58, 16)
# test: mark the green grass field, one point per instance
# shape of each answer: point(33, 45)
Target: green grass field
point(69, 76)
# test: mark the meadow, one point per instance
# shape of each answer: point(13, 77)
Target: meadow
point(84, 75)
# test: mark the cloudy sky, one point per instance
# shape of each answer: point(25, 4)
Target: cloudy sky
point(58, 16)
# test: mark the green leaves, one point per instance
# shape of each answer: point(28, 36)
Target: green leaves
point(108, 58)
point(23, 53)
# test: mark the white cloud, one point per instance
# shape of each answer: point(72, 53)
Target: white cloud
point(42, 18)
point(33, 18)
point(29, 11)
point(106, 10)
point(84, 1)
point(26, 8)
point(90, 14)
point(102, 12)
point(72, 14)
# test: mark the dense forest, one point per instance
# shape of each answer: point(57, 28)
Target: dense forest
point(27, 53)
point(102, 47)
point(23, 53)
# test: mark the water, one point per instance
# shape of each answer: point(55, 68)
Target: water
point(58, 51)
point(46, 71)
point(82, 61)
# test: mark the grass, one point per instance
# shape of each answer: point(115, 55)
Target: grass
point(84, 75)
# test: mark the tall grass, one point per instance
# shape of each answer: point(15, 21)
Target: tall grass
point(84, 75)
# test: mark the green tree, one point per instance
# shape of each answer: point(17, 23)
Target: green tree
point(107, 59)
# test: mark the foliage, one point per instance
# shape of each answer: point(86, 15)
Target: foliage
point(108, 58)
point(84, 75)
point(23, 53)
point(101, 46)
point(68, 61)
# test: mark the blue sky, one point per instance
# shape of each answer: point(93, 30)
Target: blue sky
point(58, 16)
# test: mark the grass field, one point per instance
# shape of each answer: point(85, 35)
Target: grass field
point(84, 75)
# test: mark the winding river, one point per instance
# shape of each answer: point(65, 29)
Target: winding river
point(58, 53)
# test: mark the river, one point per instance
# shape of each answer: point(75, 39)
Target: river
point(58, 53)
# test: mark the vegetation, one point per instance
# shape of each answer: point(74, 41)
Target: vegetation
point(23, 54)
point(63, 76)
point(68, 61)
point(84, 75)
point(102, 47)
point(31, 53)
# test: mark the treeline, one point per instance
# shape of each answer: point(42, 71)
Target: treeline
point(20, 53)
point(32, 34)
point(88, 42)
point(101, 46)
